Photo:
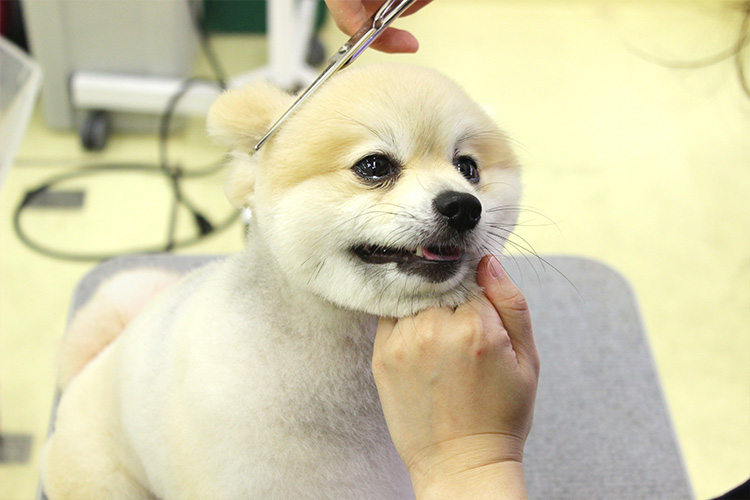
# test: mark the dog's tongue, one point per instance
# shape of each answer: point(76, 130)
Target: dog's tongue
point(449, 254)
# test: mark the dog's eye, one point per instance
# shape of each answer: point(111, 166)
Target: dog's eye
point(375, 167)
point(468, 168)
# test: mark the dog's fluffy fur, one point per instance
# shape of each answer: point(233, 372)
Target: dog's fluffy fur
point(250, 378)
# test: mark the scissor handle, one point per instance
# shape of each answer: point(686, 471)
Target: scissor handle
point(373, 28)
point(390, 11)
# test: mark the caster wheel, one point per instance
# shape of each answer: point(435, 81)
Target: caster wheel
point(316, 53)
point(95, 130)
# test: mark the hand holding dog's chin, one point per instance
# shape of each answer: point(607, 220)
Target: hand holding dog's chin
point(458, 389)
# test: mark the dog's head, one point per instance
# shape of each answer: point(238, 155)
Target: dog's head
point(381, 193)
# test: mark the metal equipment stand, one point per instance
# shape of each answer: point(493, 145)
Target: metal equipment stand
point(99, 93)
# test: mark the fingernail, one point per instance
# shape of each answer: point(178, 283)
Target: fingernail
point(496, 270)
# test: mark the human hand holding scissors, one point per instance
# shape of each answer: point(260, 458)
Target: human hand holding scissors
point(350, 15)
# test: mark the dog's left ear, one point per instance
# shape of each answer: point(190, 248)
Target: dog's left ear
point(240, 117)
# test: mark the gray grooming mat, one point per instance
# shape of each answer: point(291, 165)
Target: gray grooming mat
point(601, 427)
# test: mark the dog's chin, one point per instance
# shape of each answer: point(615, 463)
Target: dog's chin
point(404, 281)
point(450, 293)
point(390, 283)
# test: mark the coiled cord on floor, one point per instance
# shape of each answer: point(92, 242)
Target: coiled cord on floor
point(174, 174)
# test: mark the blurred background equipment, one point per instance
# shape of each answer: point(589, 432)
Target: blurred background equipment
point(20, 78)
point(19, 85)
point(117, 65)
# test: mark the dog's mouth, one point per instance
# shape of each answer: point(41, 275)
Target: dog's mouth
point(436, 263)
point(374, 254)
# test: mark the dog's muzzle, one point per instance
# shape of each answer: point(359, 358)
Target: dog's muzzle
point(439, 260)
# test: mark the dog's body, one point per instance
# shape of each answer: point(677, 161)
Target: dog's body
point(190, 404)
point(250, 378)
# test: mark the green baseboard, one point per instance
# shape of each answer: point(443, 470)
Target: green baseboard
point(244, 16)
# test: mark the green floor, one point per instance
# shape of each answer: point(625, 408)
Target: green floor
point(643, 167)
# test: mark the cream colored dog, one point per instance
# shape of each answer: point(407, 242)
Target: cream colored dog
point(250, 378)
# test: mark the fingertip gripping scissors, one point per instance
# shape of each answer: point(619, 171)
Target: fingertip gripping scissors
point(347, 53)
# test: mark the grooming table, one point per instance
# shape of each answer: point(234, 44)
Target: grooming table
point(602, 429)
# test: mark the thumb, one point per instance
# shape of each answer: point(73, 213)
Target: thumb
point(511, 305)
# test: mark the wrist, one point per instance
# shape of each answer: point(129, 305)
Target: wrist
point(484, 466)
point(495, 481)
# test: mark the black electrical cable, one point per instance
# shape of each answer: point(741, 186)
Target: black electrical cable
point(87, 257)
point(174, 174)
point(200, 28)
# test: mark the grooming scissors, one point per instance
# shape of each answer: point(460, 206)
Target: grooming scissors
point(372, 29)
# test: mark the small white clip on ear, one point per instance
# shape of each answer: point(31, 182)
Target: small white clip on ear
point(247, 215)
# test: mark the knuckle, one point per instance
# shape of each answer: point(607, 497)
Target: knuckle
point(378, 366)
point(470, 329)
point(516, 302)
point(474, 325)
point(386, 355)
point(425, 337)
point(388, 360)
point(500, 338)
point(396, 354)
point(536, 364)
point(395, 350)
point(428, 328)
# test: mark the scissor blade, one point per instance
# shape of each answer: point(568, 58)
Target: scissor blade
point(325, 75)
point(363, 38)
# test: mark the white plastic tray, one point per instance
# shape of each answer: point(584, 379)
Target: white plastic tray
point(20, 78)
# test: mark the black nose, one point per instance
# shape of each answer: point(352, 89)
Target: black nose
point(462, 211)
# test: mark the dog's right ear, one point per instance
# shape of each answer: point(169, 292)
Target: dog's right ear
point(240, 117)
